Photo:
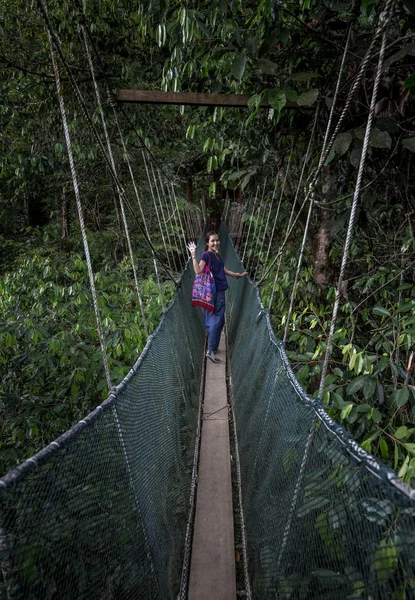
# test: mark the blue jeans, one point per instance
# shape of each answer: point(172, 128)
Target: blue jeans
point(214, 322)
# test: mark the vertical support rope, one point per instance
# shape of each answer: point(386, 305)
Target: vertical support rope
point(299, 264)
point(155, 207)
point(274, 284)
point(279, 205)
point(310, 209)
point(137, 503)
point(163, 216)
point(188, 223)
point(296, 495)
point(247, 206)
point(312, 193)
point(277, 212)
point(80, 215)
point(250, 222)
point(384, 17)
point(271, 204)
point(167, 194)
point(259, 224)
point(5, 563)
point(342, 117)
point(120, 194)
point(57, 45)
point(240, 228)
point(257, 217)
point(336, 93)
point(180, 219)
point(139, 204)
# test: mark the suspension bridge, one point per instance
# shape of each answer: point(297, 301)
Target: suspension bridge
point(131, 502)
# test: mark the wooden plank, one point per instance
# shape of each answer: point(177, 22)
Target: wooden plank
point(212, 568)
point(190, 99)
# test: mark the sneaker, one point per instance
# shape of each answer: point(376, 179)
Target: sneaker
point(211, 355)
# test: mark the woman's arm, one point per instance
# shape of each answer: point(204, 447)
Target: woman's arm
point(232, 274)
point(198, 267)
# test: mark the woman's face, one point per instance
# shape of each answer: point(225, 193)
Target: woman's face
point(213, 243)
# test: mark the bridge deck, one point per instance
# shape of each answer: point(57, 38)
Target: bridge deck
point(212, 570)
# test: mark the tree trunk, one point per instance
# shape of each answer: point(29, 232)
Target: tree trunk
point(321, 244)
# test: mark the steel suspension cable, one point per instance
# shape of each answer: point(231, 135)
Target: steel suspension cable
point(120, 195)
point(80, 215)
point(384, 18)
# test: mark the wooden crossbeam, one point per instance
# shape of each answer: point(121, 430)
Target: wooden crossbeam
point(191, 99)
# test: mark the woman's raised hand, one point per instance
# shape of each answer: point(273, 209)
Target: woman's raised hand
point(192, 249)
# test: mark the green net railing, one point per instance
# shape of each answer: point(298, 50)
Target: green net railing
point(322, 518)
point(102, 513)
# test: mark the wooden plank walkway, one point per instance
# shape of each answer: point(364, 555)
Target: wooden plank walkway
point(212, 568)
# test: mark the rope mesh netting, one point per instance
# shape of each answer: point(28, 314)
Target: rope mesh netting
point(323, 519)
point(102, 513)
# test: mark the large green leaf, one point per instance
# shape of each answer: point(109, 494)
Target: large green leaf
point(355, 385)
point(369, 386)
point(342, 143)
point(277, 99)
point(401, 433)
point(407, 49)
point(377, 138)
point(402, 396)
point(252, 44)
point(409, 144)
point(386, 561)
point(410, 82)
point(238, 66)
point(380, 310)
point(290, 94)
point(308, 98)
point(266, 66)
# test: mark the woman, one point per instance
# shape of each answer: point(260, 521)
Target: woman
point(214, 321)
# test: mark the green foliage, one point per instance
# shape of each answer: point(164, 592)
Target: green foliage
point(50, 357)
point(368, 389)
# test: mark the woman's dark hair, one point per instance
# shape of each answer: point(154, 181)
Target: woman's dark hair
point(207, 238)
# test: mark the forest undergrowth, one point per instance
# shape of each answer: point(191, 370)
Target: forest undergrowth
point(369, 388)
point(52, 372)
